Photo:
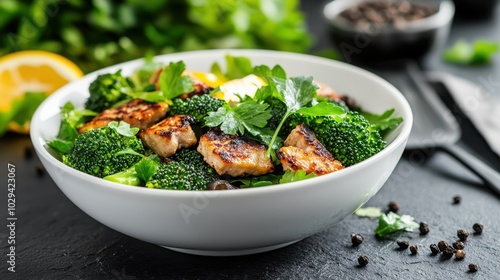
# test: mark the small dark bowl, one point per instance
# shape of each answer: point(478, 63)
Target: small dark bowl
point(377, 44)
point(475, 9)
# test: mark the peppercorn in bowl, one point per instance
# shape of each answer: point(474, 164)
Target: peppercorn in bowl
point(232, 215)
point(371, 31)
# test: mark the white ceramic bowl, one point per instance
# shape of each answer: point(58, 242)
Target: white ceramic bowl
point(236, 222)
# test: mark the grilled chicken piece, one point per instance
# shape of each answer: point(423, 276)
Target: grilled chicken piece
point(302, 150)
point(326, 91)
point(169, 135)
point(231, 155)
point(137, 113)
point(330, 93)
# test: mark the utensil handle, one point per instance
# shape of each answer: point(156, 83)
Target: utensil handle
point(490, 176)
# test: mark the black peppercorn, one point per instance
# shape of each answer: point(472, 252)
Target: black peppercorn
point(448, 252)
point(363, 260)
point(478, 228)
point(424, 228)
point(434, 249)
point(460, 254)
point(28, 152)
point(40, 170)
point(473, 267)
point(462, 234)
point(442, 245)
point(403, 244)
point(393, 206)
point(414, 249)
point(457, 199)
point(459, 245)
point(356, 239)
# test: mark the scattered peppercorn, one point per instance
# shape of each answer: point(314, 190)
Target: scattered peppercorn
point(459, 245)
point(460, 254)
point(424, 228)
point(457, 199)
point(393, 206)
point(478, 228)
point(28, 152)
point(40, 170)
point(448, 252)
point(414, 249)
point(403, 244)
point(434, 249)
point(462, 234)
point(363, 260)
point(356, 239)
point(442, 245)
point(473, 267)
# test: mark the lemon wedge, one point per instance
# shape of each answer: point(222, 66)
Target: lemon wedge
point(246, 86)
point(31, 71)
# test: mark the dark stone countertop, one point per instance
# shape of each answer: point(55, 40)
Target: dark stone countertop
point(56, 240)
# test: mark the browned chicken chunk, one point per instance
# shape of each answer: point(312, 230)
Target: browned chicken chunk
point(137, 113)
point(326, 91)
point(169, 135)
point(234, 156)
point(302, 150)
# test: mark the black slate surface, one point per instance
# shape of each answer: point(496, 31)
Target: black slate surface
point(55, 240)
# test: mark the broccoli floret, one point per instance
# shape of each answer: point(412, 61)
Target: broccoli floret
point(186, 170)
point(106, 90)
point(350, 141)
point(278, 110)
point(94, 152)
point(196, 106)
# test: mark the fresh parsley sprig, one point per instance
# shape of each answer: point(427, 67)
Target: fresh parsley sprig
point(384, 122)
point(250, 116)
point(139, 173)
point(172, 83)
point(291, 176)
point(72, 120)
point(392, 222)
point(295, 93)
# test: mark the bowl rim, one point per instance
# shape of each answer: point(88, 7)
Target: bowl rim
point(444, 15)
point(400, 139)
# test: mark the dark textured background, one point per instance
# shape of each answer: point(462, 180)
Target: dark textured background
point(55, 240)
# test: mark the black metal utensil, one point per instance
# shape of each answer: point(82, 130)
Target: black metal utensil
point(435, 127)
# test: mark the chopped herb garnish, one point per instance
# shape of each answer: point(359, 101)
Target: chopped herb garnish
point(298, 175)
point(72, 119)
point(392, 222)
point(369, 212)
point(383, 122)
point(124, 128)
point(139, 173)
point(172, 82)
point(295, 93)
point(248, 116)
point(147, 167)
point(476, 53)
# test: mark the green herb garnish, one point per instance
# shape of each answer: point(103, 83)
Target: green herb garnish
point(383, 122)
point(248, 116)
point(298, 175)
point(369, 212)
point(479, 52)
point(295, 93)
point(72, 120)
point(172, 82)
point(392, 222)
point(139, 173)
point(124, 128)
